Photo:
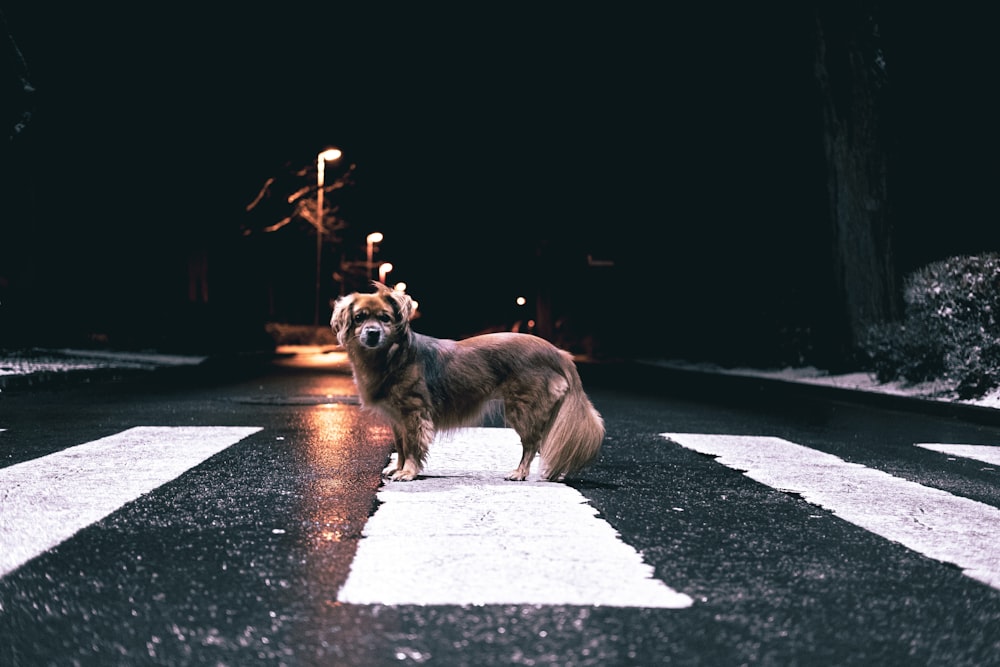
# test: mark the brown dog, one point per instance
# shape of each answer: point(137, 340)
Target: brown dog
point(423, 384)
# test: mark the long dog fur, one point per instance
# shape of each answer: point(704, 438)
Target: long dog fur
point(422, 384)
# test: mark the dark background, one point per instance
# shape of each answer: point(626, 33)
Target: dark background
point(496, 147)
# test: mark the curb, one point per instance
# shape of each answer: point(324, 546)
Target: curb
point(212, 365)
point(647, 376)
point(695, 383)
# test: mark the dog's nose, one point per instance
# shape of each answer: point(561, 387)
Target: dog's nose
point(371, 337)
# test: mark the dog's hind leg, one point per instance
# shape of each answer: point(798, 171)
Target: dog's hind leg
point(520, 473)
point(529, 412)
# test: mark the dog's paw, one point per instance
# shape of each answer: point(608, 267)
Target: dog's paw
point(516, 475)
point(403, 475)
point(389, 470)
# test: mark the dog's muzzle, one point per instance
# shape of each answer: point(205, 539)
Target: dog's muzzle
point(370, 336)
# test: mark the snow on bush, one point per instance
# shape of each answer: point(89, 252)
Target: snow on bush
point(950, 329)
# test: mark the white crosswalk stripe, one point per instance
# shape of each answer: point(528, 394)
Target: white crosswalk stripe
point(463, 535)
point(472, 538)
point(44, 501)
point(935, 523)
point(985, 453)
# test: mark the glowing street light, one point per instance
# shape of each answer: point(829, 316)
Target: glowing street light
point(329, 155)
point(372, 239)
point(383, 270)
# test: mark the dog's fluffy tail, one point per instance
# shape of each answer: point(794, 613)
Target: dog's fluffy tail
point(575, 435)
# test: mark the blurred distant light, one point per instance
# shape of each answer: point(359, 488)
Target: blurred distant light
point(371, 240)
point(400, 287)
point(329, 155)
point(599, 262)
point(383, 270)
point(520, 301)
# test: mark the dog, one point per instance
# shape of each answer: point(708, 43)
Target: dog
point(422, 385)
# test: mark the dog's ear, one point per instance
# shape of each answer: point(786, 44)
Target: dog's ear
point(401, 303)
point(341, 320)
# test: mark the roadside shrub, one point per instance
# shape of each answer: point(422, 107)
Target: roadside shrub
point(897, 351)
point(950, 329)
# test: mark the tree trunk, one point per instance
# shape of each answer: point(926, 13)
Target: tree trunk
point(850, 72)
point(544, 325)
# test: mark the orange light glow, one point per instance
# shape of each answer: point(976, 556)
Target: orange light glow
point(329, 155)
point(383, 270)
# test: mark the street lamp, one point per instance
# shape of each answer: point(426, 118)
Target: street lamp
point(329, 155)
point(383, 270)
point(372, 239)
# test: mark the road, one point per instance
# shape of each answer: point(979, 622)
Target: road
point(237, 518)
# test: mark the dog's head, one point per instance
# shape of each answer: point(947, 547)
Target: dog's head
point(372, 320)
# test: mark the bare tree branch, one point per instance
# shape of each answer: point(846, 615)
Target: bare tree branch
point(261, 194)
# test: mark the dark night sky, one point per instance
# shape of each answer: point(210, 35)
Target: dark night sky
point(680, 142)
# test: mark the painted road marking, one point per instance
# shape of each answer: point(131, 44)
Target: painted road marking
point(47, 500)
point(935, 523)
point(985, 453)
point(462, 535)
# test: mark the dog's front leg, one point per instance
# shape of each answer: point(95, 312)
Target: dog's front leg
point(397, 444)
point(417, 431)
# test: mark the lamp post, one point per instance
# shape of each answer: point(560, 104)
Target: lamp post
point(383, 270)
point(372, 239)
point(329, 155)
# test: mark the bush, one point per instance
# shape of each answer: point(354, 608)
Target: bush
point(950, 327)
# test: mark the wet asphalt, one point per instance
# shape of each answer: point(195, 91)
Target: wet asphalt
point(238, 561)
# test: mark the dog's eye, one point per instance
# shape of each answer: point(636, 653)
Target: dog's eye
point(384, 318)
point(359, 318)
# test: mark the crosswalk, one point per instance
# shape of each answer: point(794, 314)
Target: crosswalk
point(47, 500)
point(986, 453)
point(473, 539)
point(935, 523)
